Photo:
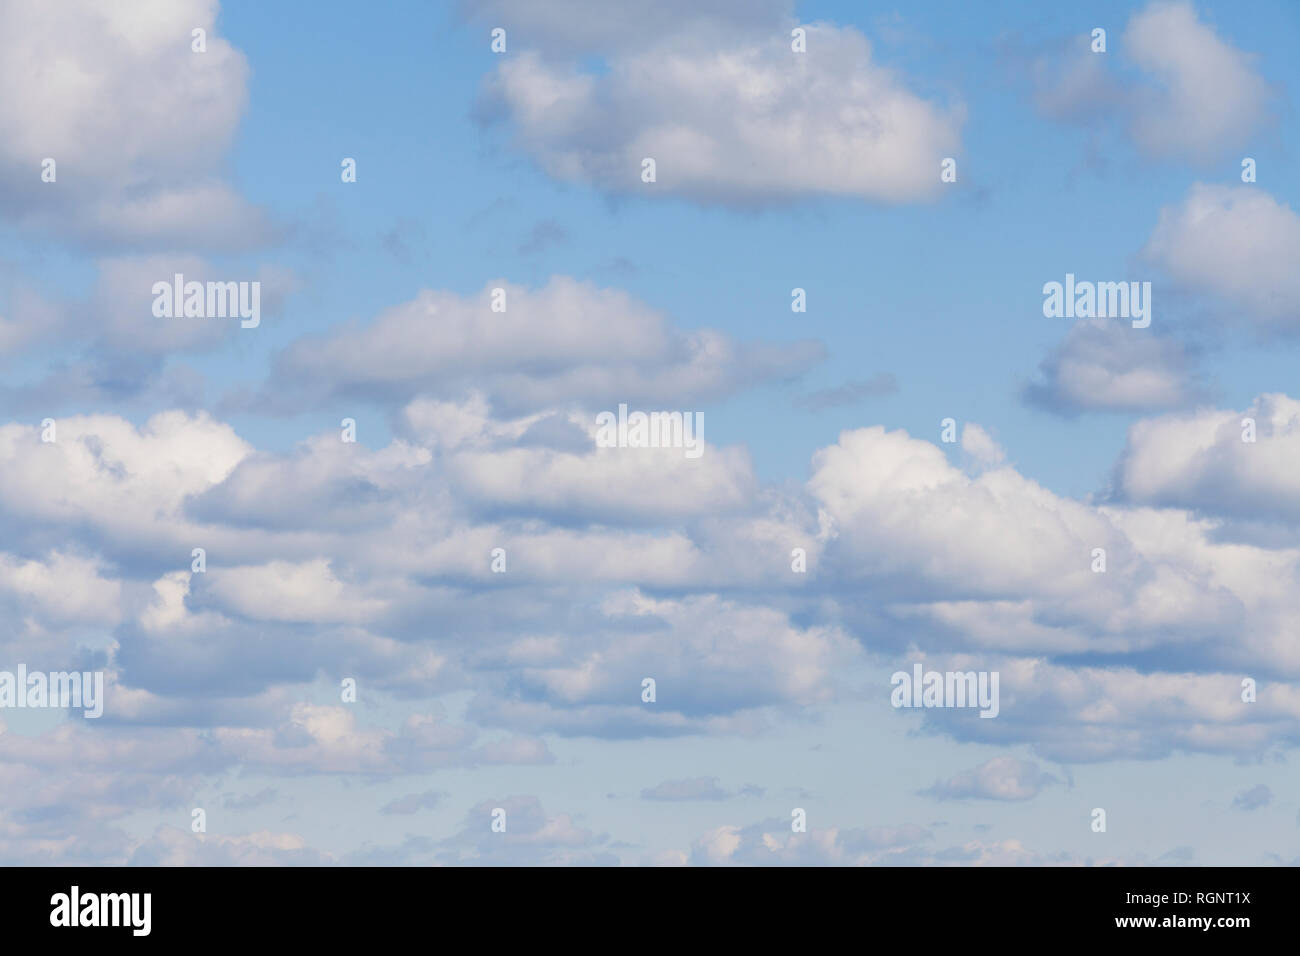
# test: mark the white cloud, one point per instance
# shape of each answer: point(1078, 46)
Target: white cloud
point(997, 562)
point(532, 838)
point(981, 446)
point(568, 341)
point(1072, 83)
point(1077, 714)
point(899, 507)
point(62, 589)
point(1104, 365)
point(999, 778)
point(366, 547)
point(172, 846)
point(1195, 96)
point(1204, 96)
point(52, 603)
point(308, 591)
point(488, 468)
point(732, 117)
point(1199, 461)
point(1238, 244)
point(137, 123)
point(720, 663)
point(582, 26)
point(328, 739)
point(103, 470)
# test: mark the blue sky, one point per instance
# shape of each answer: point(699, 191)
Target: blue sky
point(777, 170)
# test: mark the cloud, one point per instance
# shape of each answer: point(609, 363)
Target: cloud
point(117, 318)
point(716, 662)
point(980, 446)
point(898, 508)
point(1108, 366)
point(490, 471)
point(250, 801)
point(371, 560)
point(1178, 855)
point(568, 341)
point(136, 122)
point(532, 837)
point(370, 545)
point(52, 601)
point(1254, 798)
point(1193, 96)
point(573, 27)
point(414, 802)
point(113, 475)
point(1238, 245)
point(308, 592)
point(1076, 713)
point(1000, 778)
point(327, 739)
point(770, 843)
point(1202, 97)
point(1071, 83)
point(729, 116)
point(850, 393)
point(108, 348)
point(170, 846)
point(695, 788)
point(1200, 461)
point(544, 235)
point(332, 559)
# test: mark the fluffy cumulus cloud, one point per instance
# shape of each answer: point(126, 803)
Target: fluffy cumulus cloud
point(1004, 576)
point(343, 553)
point(1107, 365)
point(1238, 245)
point(1193, 95)
point(332, 558)
point(727, 110)
point(586, 26)
point(898, 508)
point(1218, 462)
point(172, 846)
point(1230, 253)
point(108, 346)
point(1079, 714)
point(118, 478)
point(982, 449)
point(1203, 94)
point(1000, 778)
point(719, 663)
point(136, 122)
point(568, 341)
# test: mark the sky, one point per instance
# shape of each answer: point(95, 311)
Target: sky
point(354, 674)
